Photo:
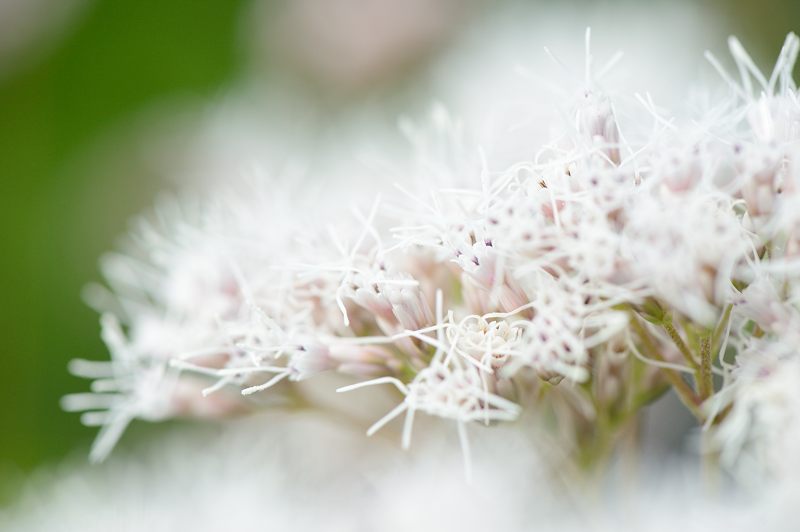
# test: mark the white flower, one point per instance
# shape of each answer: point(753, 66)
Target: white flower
point(541, 262)
point(130, 386)
point(687, 249)
point(761, 303)
point(489, 340)
point(760, 435)
point(450, 390)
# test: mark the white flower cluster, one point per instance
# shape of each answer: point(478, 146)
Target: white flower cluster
point(475, 291)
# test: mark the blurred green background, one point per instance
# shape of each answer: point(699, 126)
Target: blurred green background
point(74, 93)
point(72, 100)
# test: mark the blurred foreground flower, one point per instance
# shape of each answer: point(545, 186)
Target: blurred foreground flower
point(279, 471)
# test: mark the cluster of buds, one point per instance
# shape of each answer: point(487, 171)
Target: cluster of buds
point(619, 262)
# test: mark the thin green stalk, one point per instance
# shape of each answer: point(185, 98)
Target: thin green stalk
point(710, 466)
point(682, 389)
point(722, 326)
point(645, 398)
point(692, 336)
point(706, 383)
point(680, 344)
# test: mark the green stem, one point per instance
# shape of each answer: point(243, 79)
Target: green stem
point(721, 327)
point(680, 344)
point(645, 398)
point(706, 383)
point(682, 389)
point(710, 466)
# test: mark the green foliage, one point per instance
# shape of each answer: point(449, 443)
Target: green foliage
point(59, 214)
